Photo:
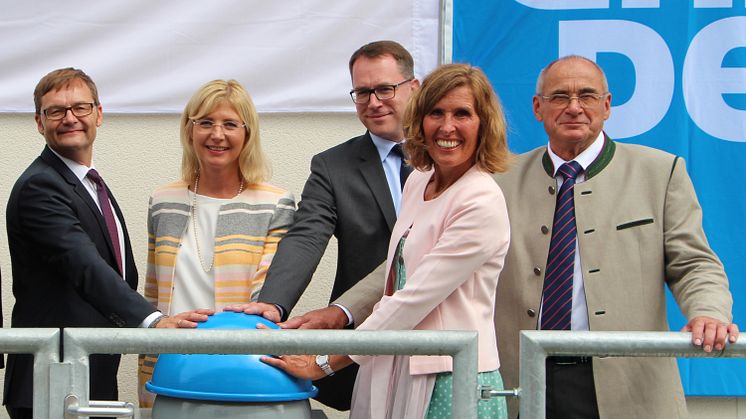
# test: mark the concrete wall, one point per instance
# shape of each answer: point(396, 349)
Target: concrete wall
point(135, 153)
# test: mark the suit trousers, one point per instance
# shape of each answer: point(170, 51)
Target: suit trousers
point(336, 390)
point(571, 391)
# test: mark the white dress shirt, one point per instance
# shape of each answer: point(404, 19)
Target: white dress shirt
point(579, 319)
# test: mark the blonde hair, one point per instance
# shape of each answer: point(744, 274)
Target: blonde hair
point(492, 147)
point(252, 161)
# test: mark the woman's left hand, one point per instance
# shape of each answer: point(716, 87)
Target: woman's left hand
point(301, 366)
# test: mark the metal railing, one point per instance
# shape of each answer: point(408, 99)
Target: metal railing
point(61, 388)
point(537, 345)
point(44, 344)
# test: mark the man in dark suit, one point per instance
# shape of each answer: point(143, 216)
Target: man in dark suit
point(352, 193)
point(70, 252)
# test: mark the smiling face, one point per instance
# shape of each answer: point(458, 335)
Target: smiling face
point(572, 129)
point(451, 131)
point(72, 137)
point(217, 149)
point(382, 117)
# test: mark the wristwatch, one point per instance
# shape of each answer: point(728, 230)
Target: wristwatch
point(157, 320)
point(323, 362)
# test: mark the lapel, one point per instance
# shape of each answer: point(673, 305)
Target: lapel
point(58, 165)
point(372, 171)
point(603, 160)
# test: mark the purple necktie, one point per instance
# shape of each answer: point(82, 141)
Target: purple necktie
point(111, 224)
point(556, 311)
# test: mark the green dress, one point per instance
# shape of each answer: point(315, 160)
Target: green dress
point(441, 401)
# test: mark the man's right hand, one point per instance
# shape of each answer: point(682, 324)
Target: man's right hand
point(268, 311)
point(331, 317)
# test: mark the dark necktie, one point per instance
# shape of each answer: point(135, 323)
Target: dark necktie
point(557, 307)
point(404, 168)
point(111, 224)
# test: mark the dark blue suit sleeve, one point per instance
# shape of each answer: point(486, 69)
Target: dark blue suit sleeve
point(301, 249)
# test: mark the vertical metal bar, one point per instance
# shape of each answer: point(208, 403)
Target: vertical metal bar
point(44, 345)
point(465, 394)
point(45, 355)
point(532, 378)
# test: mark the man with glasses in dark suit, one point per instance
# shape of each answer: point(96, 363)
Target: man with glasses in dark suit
point(353, 193)
point(70, 252)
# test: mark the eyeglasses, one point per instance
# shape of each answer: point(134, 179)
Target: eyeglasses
point(80, 110)
point(208, 125)
point(382, 92)
point(585, 100)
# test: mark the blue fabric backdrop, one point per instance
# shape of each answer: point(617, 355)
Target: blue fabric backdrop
point(676, 70)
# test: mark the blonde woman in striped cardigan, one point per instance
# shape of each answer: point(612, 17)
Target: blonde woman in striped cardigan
point(213, 234)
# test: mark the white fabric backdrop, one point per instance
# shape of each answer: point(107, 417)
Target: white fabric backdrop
point(150, 56)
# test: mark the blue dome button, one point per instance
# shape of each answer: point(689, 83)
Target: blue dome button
point(231, 378)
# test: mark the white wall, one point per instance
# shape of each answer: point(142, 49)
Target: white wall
point(135, 153)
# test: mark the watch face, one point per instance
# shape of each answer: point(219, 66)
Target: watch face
point(322, 360)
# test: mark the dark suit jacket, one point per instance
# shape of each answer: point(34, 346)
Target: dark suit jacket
point(347, 196)
point(64, 271)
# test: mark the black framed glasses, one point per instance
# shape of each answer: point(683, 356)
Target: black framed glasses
point(382, 92)
point(585, 100)
point(80, 110)
point(209, 125)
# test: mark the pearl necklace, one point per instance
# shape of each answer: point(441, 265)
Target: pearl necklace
point(195, 229)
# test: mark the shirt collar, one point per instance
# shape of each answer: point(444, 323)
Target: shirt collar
point(79, 170)
point(383, 145)
point(584, 159)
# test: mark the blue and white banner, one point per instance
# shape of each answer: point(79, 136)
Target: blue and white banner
point(677, 72)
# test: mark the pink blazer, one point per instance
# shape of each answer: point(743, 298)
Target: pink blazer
point(453, 256)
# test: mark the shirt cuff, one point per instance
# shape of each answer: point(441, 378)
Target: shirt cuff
point(350, 320)
point(146, 323)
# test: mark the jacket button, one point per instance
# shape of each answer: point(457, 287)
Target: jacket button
point(531, 312)
point(551, 190)
point(537, 271)
point(544, 229)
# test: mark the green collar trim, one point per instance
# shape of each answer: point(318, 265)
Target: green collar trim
point(603, 159)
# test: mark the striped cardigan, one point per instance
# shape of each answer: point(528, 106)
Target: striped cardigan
point(247, 233)
point(248, 230)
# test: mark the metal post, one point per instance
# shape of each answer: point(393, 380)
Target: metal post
point(44, 344)
point(465, 370)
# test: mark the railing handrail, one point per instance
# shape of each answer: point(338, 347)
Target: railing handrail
point(461, 345)
point(536, 345)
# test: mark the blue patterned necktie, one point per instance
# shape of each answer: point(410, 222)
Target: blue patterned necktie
point(557, 306)
point(404, 169)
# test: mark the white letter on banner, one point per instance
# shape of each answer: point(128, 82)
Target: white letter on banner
point(704, 80)
point(565, 5)
point(651, 59)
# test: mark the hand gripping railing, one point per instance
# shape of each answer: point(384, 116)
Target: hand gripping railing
point(80, 343)
point(44, 344)
point(537, 345)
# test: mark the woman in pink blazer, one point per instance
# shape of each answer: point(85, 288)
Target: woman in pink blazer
point(446, 251)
